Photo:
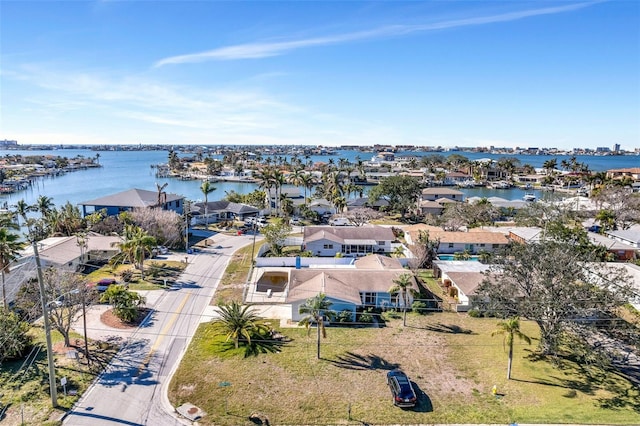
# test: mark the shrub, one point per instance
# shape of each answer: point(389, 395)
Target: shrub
point(419, 307)
point(366, 316)
point(344, 316)
point(475, 313)
point(125, 303)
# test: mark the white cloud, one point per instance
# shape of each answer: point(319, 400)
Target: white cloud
point(264, 50)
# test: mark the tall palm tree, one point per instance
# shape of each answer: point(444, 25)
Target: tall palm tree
point(265, 181)
point(403, 284)
point(206, 189)
point(278, 181)
point(315, 309)
point(9, 246)
point(510, 328)
point(240, 322)
point(308, 181)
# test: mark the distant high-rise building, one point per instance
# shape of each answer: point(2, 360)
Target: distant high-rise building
point(7, 143)
point(616, 147)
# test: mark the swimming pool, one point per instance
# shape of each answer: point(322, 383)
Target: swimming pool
point(452, 257)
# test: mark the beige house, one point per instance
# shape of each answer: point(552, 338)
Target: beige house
point(473, 241)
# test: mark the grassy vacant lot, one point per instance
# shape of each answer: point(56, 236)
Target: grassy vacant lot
point(24, 386)
point(235, 276)
point(451, 358)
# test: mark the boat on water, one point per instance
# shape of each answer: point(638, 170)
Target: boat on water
point(529, 197)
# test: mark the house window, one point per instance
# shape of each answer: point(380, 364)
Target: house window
point(369, 299)
point(482, 245)
point(496, 245)
point(395, 299)
point(328, 246)
point(450, 245)
point(381, 243)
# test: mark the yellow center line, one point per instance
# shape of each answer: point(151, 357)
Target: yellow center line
point(163, 332)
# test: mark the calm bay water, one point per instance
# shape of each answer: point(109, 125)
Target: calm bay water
point(123, 170)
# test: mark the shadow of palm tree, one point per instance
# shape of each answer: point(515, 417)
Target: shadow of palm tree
point(445, 328)
point(354, 361)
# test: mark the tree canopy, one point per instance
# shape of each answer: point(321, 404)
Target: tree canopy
point(401, 192)
point(551, 283)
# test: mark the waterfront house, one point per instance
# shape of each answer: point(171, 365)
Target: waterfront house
point(457, 178)
point(221, 210)
point(437, 193)
point(618, 174)
point(133, 199)
point(350, 241)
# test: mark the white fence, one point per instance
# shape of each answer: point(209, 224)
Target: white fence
point(305, 262)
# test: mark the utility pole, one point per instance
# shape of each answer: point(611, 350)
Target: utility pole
point(187, 207)
point(84, 325)
point(47, 328)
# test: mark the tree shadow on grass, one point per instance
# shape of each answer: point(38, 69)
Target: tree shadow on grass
point(445, 328)
point(352, 361)
point(590, 379)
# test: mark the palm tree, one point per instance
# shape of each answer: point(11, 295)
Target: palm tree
point(403, 284)
point(308, 181)
point(44, 205)
point(206, 189)
point(265, 179)
point(315, 309)
point(136, 246)
point(22, 208)
point(240, 322)
point(510, 328)
point(9, 246)
point(278, 181)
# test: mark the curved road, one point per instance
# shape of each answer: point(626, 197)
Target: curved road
point(133, 389)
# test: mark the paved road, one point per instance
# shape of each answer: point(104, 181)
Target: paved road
point(132, 390)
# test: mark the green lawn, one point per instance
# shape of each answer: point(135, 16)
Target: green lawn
point(451, 358)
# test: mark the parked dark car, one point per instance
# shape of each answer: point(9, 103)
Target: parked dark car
point(103, 284)
point(401, 389)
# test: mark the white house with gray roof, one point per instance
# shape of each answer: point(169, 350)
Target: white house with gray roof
point(351, 241)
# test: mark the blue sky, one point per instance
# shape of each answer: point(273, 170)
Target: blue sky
point(450, 73)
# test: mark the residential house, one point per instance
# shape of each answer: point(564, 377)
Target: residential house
point(293, 195)
point(460, 279)
point(437, 193)
point(131, 199)
point(365, 284)
point(473, 241)
point(629, 236)
point(322, 206)
point(350, 241)
point(457, 178)
point(363, 202)
point(632, 172)
point(221, 210)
